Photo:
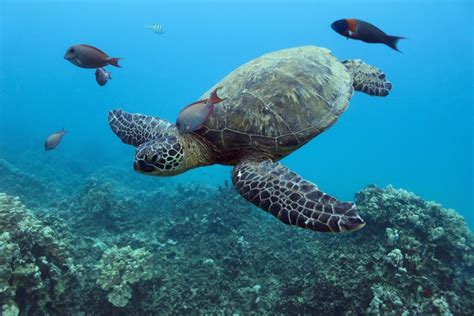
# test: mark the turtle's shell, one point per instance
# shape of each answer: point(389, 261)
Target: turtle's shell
point(278, 102)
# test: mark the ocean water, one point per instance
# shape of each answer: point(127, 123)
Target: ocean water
point(419, 138)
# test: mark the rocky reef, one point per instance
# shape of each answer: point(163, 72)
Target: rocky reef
point(120, 268)
point(34, 262)
point(110, 249)
point(19, 183)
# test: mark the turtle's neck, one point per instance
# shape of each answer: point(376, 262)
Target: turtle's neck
point(198, 152)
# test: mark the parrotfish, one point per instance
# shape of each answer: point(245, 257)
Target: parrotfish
point(54, 139)
point(156, 28)
point(87, 56)
point(364, 31)
point(102, 76)
point(193, 116)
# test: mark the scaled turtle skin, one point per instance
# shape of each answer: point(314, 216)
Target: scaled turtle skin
point(273, 105)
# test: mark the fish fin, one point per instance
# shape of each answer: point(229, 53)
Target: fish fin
point(113, 61)
point(392, 42)
point(214, 98)
point(194, 103)
point(95, 48)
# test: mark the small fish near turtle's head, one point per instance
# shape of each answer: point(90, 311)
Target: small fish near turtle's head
point(161, 157)
point(193, 116)
point(341, 27)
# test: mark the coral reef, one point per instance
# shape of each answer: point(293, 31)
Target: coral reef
point(34, 270)
point(97, 205)
point(120, 268)
point(198, 249)
point(428, 251)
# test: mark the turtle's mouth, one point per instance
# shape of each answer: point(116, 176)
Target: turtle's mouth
point(143, 167)
point(351, 223)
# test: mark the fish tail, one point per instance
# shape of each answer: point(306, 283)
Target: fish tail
point(114, 61)
point(214, 98)
point(392, 42)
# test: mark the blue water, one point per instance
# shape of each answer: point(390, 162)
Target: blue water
point(419, 137)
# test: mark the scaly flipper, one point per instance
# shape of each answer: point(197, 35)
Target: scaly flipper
point(368, 79)
point(135, 129)
point(293, 200)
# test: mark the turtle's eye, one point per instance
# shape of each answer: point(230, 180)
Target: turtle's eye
point(71, 50)
point(152, 158)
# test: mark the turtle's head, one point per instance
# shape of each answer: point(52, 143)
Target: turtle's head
point(162, 157)
point(161, 149)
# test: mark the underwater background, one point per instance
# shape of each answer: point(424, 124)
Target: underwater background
point(193, 243)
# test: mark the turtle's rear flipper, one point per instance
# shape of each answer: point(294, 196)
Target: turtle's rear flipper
point(293, 200)
point(136, 129)
point(368, 79)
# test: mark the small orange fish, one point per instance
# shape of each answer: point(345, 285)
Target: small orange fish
point(366, 32)
point(193, 116)
point(54, 139)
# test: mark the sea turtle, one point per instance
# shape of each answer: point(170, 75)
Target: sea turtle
point(273, 105)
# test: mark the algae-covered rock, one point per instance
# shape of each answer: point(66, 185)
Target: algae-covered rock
point(120, 268)
point(392, 236)
point(15, 182)
point(33, 268)
point(433, 254)
point(205, 250)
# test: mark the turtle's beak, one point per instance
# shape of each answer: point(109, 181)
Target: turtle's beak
point(142, 167)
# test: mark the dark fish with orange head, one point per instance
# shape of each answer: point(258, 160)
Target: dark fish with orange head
point(87, 56)
point(54, 139)
point(193, 116)
point(366, 32)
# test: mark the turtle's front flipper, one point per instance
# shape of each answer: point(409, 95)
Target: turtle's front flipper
point(368, 79)
point(293, 200)
point(135, 129)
